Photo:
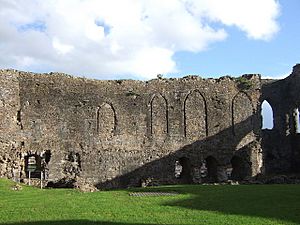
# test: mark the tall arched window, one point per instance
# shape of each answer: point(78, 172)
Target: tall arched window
point(297, 121)
point(267, 115)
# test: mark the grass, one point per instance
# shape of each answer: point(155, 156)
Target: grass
point(196, 204)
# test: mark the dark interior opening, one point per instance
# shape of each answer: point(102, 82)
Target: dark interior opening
point(239, 169)
point(183, 170)
point(212, 169)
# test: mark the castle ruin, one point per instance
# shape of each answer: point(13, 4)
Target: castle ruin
point(122, 133)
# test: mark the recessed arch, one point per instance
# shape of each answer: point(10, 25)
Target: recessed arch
point(212, 169)
point(242, 111)
point(106, 121)
point(195, 115)
point(267, 115)
point(183, 170)
point(159, 125)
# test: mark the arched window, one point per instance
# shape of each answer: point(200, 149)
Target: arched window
point(297, 121)
point(267, 115)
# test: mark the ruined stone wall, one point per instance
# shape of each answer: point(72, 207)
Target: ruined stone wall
point(117, 133)
point(281, 144)
point(10, 143)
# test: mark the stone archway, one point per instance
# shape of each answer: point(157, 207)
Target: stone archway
point(183, 170)
point(212, 169)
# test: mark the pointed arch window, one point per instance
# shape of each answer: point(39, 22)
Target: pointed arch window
point(297, 121)
point(267, 115)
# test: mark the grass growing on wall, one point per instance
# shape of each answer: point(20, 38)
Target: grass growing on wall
point(196, 204)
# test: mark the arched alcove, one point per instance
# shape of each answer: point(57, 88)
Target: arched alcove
point(195, 116)
point(242, 111)
point(212, 169)
point(267, 115)
point(106, 121)
point(159, 116)
point(183, 170)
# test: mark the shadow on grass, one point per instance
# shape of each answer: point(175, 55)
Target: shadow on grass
point(72, 222)
point(279, 202)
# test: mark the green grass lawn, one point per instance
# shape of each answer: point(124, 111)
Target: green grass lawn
point(196, 204)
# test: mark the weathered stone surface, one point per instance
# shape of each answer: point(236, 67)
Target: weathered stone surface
point(119, 133)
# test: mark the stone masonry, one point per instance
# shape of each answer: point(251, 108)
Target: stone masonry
point(128, 133)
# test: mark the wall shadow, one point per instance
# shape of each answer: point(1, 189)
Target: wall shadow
point(263, 201)
point(221, 146)
point(214, 198)
point(73, 222)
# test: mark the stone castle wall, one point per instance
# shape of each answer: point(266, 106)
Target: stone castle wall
point(119, 133)
point(281, 144)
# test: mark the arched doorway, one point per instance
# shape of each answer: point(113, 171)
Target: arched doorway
point(183, 170)
point(212, 169)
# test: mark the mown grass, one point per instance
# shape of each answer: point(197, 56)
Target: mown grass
point(196, 204)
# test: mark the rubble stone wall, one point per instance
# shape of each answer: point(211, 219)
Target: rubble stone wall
point(281, 144)
point(123, 132)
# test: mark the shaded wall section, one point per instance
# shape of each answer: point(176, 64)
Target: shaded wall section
point(281, 143)
point(120, 133)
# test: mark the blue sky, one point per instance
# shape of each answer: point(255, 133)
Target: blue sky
point(132, 39)
point(129, 39)
point(240, 55)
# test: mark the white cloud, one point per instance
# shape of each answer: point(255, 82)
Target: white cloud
point(125, 37)
point(255, 17)
point(60, 47)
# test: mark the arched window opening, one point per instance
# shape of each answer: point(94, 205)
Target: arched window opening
point(183, 170)
point(33, 166)
point(297, 121)
point(239, 169)
point(212, 169)
point(267, 115)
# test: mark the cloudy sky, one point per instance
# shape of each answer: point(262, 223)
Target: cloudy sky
point(110, 39)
